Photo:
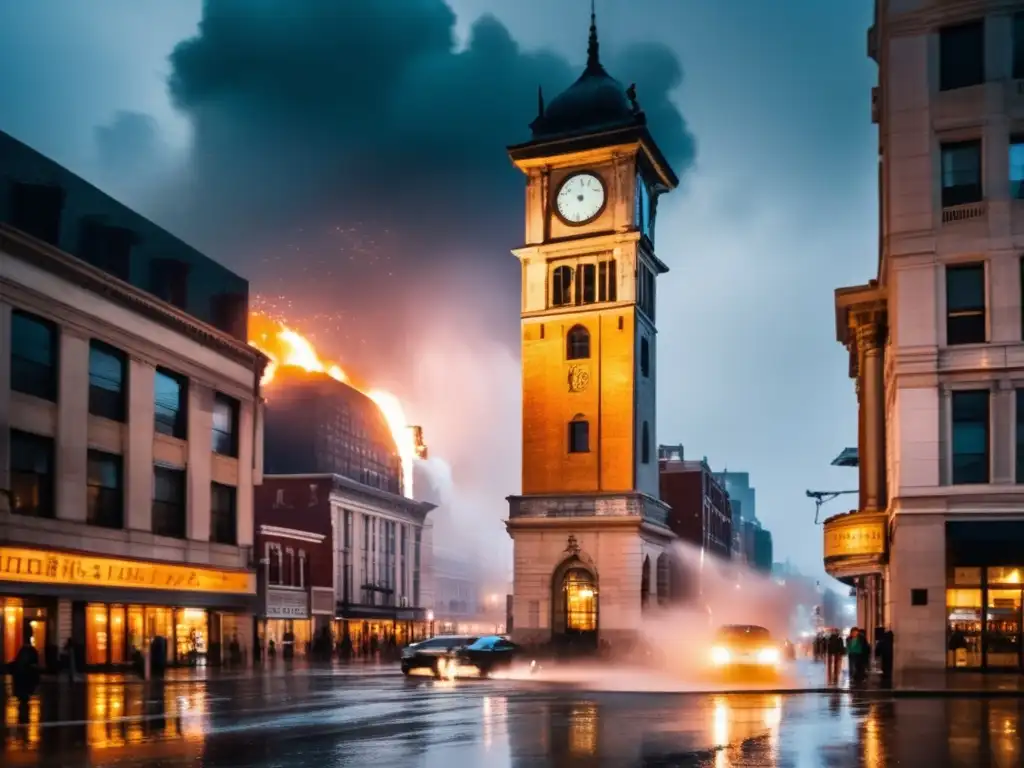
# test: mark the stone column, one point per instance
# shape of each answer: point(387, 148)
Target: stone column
point(5, 404)
point(72, 443)
point(247, 428)
point(138, 465)
point(869, 341)
point(200, 469)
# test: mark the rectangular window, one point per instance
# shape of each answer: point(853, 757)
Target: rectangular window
point(416, 547)
point(105, 502)
point(106, 247)
point(965, 304)
point(223, 514)
point(961, 173)
point(579, 436)
point(169, 508)
point(36, 210)
point(1017, 167)
point(34, 354)
point(970, 436)
point(225, 425)
point(168, 280)
point(1018, 46)
point(561, 286)
point(108, 374)
point(171, 399)
point(606, 287)
point(962, 55)
point(31, 474)
point(586, 284)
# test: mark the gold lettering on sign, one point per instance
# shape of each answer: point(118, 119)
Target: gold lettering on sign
point(41, 567)
point(851, 540)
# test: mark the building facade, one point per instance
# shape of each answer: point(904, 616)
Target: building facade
point(936, 345)
point(588, 526)
point(295, 545)
point(316, 424)
point(700, 510)
point(130, 421)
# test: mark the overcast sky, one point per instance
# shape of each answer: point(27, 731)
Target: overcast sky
point(350, 160)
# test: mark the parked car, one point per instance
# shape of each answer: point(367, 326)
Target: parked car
point(489, 653)
point(433, 654)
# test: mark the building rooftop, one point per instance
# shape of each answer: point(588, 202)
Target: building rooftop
point(51, 204)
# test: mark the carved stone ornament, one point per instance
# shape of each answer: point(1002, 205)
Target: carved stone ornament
point(579, 378)
point(572, 547)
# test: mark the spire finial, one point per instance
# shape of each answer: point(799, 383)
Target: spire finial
point(593, 57)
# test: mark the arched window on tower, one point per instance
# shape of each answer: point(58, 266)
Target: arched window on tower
point(577, 343)
point(579, 434)
point(561, 286)
point(645, 444)
point(645, 357)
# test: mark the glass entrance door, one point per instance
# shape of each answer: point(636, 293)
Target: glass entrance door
point(1003, 628)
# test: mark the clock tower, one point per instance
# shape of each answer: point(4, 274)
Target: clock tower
point(589, 533)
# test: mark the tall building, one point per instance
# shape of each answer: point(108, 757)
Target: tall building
point(742, 496)
point(589, 502)
point(699, 508)
point(317, 424)
point(935, 342)
point(130, 415)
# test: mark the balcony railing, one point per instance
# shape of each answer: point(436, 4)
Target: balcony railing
point(612, 506)
point(955, 213)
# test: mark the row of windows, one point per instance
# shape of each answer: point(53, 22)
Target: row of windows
point(35, 355)
point(962, 53)
point(577, 347)
point(585, 284)
point(33, 479)
point(961, 171)
point(286, 567)
point(579, 438)
point(972, 430)
point(967, 303)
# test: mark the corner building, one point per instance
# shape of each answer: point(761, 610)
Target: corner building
point(129, 427)
point(588, 527)
point(936, 546)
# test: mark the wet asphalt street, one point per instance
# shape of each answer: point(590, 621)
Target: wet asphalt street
point(378, 718)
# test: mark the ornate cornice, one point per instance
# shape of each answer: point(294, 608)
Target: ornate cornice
point(17, 244)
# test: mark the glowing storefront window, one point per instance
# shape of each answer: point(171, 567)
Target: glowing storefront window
point(97, 634)
point(963, 627)
point(580, 601)
point(192, 633)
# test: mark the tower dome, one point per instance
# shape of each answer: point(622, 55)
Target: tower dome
point(595, 101)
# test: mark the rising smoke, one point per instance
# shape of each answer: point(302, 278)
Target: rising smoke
point(348, 157)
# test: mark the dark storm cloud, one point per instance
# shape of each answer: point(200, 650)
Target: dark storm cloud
point(330, 117)
point(128, 143)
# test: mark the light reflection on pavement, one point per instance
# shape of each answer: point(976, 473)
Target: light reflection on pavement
point(382, 719)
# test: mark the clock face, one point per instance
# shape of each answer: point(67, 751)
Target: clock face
point(580, 198)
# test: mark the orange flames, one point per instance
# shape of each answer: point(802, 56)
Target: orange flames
point(287, 347)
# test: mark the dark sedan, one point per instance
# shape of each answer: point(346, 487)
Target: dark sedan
point(488, 654)
point(433, 654)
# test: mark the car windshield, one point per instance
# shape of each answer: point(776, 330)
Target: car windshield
point(487, 643)
point(445, 642)
point(743, 632)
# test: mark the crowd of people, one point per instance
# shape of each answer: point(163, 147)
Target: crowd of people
point(831, 648)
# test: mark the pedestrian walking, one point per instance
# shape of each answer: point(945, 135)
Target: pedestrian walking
point(835, 651)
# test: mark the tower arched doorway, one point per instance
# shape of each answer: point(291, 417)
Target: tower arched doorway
point(575, 604)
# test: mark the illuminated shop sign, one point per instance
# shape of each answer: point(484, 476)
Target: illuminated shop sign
point(854, 538)
point(36, 566)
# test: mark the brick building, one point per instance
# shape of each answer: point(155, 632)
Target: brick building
point(700, 511)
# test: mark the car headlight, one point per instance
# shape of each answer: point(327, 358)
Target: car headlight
point(719, 656)
point(768, 656)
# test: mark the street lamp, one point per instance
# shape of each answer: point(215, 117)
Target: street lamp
point(430, 622)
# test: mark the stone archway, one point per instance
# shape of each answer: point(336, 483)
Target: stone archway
point(575, 602)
